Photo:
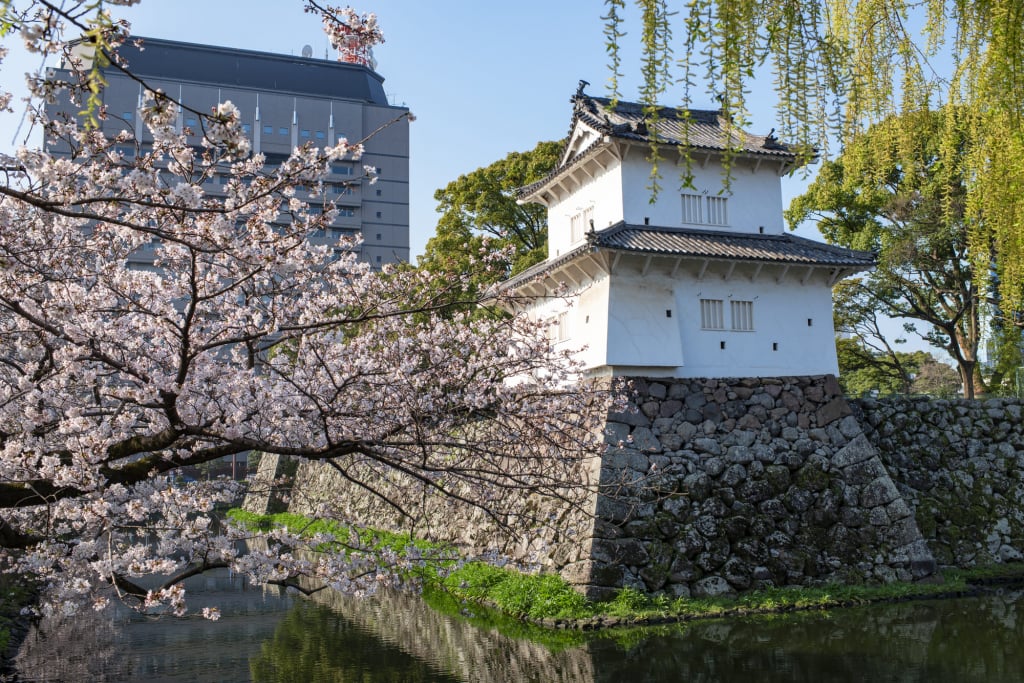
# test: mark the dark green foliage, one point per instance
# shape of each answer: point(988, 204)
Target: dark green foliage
point(480, 215)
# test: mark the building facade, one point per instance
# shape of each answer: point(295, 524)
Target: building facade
point(699, 281)
point(285, 101)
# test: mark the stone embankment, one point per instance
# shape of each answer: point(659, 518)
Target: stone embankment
point(729, 485)
point(960, 466)
point(712, 486)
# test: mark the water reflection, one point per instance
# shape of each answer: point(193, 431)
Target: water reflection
point(271, 638)
point(316, 644)
point(963, 640)
point(126, 646)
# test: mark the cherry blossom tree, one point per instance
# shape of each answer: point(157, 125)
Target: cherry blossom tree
point(242, 337)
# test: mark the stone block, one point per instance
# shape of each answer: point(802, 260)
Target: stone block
point(832, 411)
point(858, 450)
point(670, 407)
point(734, 475)
point(616, 433)
point(864, 472)
point(645, 441)
point(711, 586)
point(631, 417)
point(881, 491)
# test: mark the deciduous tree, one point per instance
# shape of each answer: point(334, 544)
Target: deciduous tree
point(912, 211)
point(243, 337)
point(480, 208)
point(841, 67)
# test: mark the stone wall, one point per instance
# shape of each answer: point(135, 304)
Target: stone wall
point(711, 486)
point(553, 532)
point(960, 466)
point(739, 484)
point(270, 487)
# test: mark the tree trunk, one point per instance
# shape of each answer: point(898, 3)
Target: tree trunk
point(966, 369)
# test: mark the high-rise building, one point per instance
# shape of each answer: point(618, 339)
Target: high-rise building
point(285, 101)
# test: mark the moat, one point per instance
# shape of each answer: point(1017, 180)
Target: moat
point(265, 636)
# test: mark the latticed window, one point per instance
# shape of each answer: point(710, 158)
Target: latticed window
point(558, 331)
point(717, 213)
point(742, 313)
point(711, 314)
point(580, 223)
point(563, 327)
point(701, 210)
point(692, 209)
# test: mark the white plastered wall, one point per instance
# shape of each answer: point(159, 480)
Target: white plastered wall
point(754, 198)
point(604, 193)
point(622, 326)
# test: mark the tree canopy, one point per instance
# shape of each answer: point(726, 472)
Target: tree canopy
point(841, 67)
point(480, 208)
point(242, 336)
point(912, 212)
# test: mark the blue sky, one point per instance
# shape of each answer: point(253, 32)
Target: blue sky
point(483, 78)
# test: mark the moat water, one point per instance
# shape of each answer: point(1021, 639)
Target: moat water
point(267, 636)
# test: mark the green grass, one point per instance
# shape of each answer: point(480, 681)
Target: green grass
point(474, 588)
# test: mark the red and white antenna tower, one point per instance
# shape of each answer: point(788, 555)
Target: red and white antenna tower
point(353, 35)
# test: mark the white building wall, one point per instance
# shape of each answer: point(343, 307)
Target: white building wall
point(792, 333)
point(754, 199)
point(604, 194)
point(586, 320)
point(651, 326)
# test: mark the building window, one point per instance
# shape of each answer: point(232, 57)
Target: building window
point(268, 130)
point(347, 212)
point(191, 121)
point(282, 131)
point(341, 169)
point(701, 210)
point(691, 209)
point(742, 313)
point(304, 133)
point(319, 135)
point(580, 223)
point(711, 314)
point(246, 128)
point(378, 214)
point(559, 328)
point(717, 211)
point(128, 116)
point(378, 193)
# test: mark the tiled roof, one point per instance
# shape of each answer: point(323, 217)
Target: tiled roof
point(704, 130)
point(785, 249)
point(697, 129)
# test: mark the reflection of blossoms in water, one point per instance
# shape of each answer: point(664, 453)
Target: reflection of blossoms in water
point(72, 648)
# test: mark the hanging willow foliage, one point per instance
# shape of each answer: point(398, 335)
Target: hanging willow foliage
point(840, 66)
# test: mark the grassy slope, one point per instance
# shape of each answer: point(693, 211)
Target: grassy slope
point(546, 599)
